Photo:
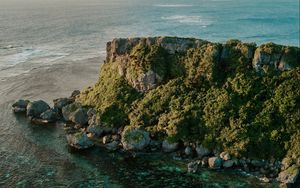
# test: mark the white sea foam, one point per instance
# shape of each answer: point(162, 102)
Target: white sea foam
point(172, 5)
point(188, 20)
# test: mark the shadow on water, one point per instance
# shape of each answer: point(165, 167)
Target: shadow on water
point(38, 156)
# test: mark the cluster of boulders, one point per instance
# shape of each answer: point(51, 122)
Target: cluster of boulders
point(84, 130)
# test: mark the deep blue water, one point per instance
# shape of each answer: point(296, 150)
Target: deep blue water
point(50, 31)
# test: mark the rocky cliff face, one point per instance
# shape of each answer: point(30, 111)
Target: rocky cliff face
point(134, 55)
point(236, 96)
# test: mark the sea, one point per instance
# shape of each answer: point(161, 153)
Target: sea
point(35, 33)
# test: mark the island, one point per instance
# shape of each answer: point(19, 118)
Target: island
point(220, 105)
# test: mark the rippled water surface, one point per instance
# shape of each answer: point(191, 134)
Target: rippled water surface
point(36, 33)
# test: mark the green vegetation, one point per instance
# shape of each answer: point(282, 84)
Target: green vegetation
point(210, 94)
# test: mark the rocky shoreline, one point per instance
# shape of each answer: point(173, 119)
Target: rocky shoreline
point(211, 105)
point(83, 131)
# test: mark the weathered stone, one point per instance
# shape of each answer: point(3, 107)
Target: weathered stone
point(35, 108)
point(79, 116)
point(62, 102)
point(169, 147)
point(225, 156)
point(91, 112)
point(106, 139)
point(20, 106)
point(135, 139)
point(79, 140)
point(75, 93)
point(49, 115)
point(95, 129)
point(289, 175)
point(215, 162)
point(68, 110)
point(202, 151)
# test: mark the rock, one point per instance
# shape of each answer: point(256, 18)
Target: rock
point(188, 151)
point(49, 115)
point(116, 137)
point(215, 162)
point(289, 175)
point(204, 162)
point(69, 109)
point(74, 94)
point(95, 128)
point(91, 112)
point(225, 156)
point(20, 106)
point(106, 139)
point(36, 108)
point(145, 81)
point(79, 117)
point(192, 167)
point(134, 139)
point(228, 163)
point(79, 140)
point(202, 151)
point(169, 147)
point(62, 102)
point(112, 145)
point(286, 162)
point(264, 180)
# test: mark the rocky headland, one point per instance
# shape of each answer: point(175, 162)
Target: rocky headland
point(232, 105)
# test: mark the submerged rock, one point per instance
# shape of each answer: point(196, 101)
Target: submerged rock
point(169, 147)
point(79, 140)
point(36, 108)
point(135, 139)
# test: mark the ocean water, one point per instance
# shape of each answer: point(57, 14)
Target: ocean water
point(50, 31)
point(43, 32)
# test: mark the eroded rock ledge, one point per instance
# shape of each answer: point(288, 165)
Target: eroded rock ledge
point(122, 51)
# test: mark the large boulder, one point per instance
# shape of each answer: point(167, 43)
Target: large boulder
point(20, 106)
point(202, 151)
point(79, 140)
point(79, 116)
point(75, 113)
point(215, 162)
point(36, 108)
point(168, 146)
point(290, 175)
point(135, 139)
point(49, 116)
point(62, 102)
